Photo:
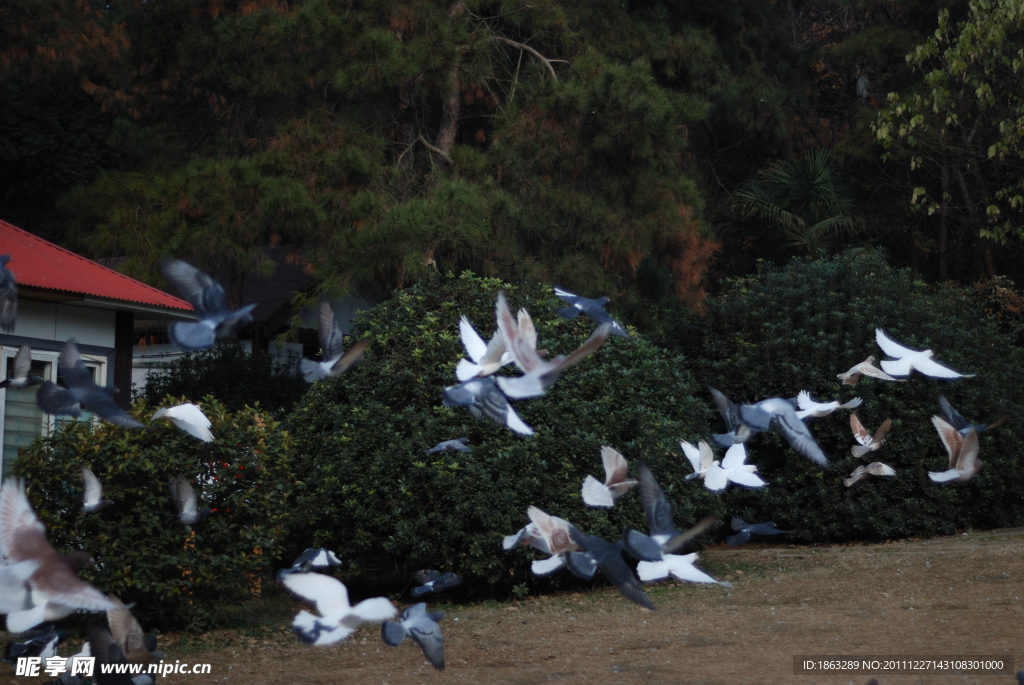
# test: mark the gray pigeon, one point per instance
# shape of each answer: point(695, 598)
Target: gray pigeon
point(458, 445)
point(736, 431)
point(594, 309)
point(483, 398)
point(108, 654)
point(607, 556)
point(92, 497)
point(43, 645)
point(961, 424)
point(336, 360)
point(659, 518)
point(759, 417)
point(81, 392)
point(8, 296)
point(21, 373)
point(216, 321)
point(186, 501)
point(313, 558)
point(745, 530)
point(421, 627)
point(433, 581)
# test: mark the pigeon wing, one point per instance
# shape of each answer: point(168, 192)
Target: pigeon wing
point(680, 540)
point(877, 468)
point(882, 431)
point(860, 433)
point(796, 433)
point(656, 507)
point(350, 357)
point(968, 452)
point(205, 294)
point(93, 489)
point(745, 478)
point(475, 346)
point(766, 528)
point(681, 566)
point(951, 439)
point(392, 633)
point(18, 523)
point(192, 336)
point(328, 593)
point(125, 630)
point(692, 454)
point(184, 495)
point(616, 469)
point(716, 479)
point(189, 418)
point(738, 539)
point(640, 546)
point(890, 347)
point(425, 576)
point(735, 457)
point(727, 409)
point(23, 361)
point(930, 367)
point(55, 400)
point(98, 402)
point(526, 328)
point(72, 369)
point(427, 634)
point(330, 334)
point(596, 494)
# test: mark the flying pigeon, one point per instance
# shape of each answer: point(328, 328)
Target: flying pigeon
point(659, 514)
point(539, 375)
point(92, 498)
point(489, 357)
point(616, 484)
point(817, 410)
point(458, 445)
point(733, 469)
point(745, 530)
point(81, 392)
point(14, 589)
point(138, 647)
point(963, 453)
point(607, 556)
point(43, 645)
point(207, 297)
point(433, 581)
point(55, 589)
point(111, 667)
point(907, 360)
point(759, 417)
point(189, 418)
point(337, 617)
point(312, 558)
point(868, 443)
point(483, 398)
point(421, 627)
point(8, 296)
point(186, 501)
point(737, 431)
point(594, 309)
point(22, 366)
point(700, 458)
point(336, 360)
point(866, 368)
point(678, 565)
point(549, 534)
point(876, 469)
point(952, 416)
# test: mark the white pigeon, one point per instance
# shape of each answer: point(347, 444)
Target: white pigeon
point(866, 368)
point(92, 497)
point(616, 484)
point(876, 469)
point(907, 360)
point(732, 469)
point(189, 418)
point(678, 565)
point(817, 410)
point(539, 374)
point(549, 534)
point(963, 453)
point(338, 619)
point(700, 458)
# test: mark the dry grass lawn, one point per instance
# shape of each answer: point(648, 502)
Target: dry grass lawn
point(955, 596)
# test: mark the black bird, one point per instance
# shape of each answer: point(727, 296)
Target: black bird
point(81, 392)
point(607, 556)
point(433, 581)
point(43, 644)
point(216, 321)
point(745, 530)
point(21, 377)
point(962, 425)
point(421, 627)
point(8, 296)
point(312, 559)
point(594, 309)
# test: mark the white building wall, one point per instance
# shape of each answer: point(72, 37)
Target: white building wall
point(49, 321)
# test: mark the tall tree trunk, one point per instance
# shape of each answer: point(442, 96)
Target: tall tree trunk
point(453, 87)
point(944, 225)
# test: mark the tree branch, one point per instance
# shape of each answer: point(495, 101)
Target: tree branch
point(436, 150)
point(523, 46)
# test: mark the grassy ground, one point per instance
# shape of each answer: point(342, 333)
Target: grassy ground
point(955, 596)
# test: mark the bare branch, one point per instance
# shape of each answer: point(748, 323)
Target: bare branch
point(436, 150)
point(523, 46)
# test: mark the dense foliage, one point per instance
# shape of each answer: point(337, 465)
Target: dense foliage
point(178, 575)
point(235, 376)
point(789, 329)
point(371, 492)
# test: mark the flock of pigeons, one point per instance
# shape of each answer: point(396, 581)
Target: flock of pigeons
point(38, 585)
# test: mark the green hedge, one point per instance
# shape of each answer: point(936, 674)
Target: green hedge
point(786, 329)
point(176, 576)
point(388, 508)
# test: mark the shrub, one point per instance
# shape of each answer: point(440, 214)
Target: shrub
point(787, 329)
point(175, 574)
point(235, 376)
point(373, 494)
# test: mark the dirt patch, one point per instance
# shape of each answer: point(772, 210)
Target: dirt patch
point(955, 596)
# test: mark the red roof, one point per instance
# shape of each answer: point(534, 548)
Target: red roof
point(41, 264)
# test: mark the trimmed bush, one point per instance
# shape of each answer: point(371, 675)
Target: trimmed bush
point(235, 376)
point(788, 329)
point(388, 508)
point(177, 575)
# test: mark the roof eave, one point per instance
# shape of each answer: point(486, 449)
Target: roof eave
point(148, 311)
